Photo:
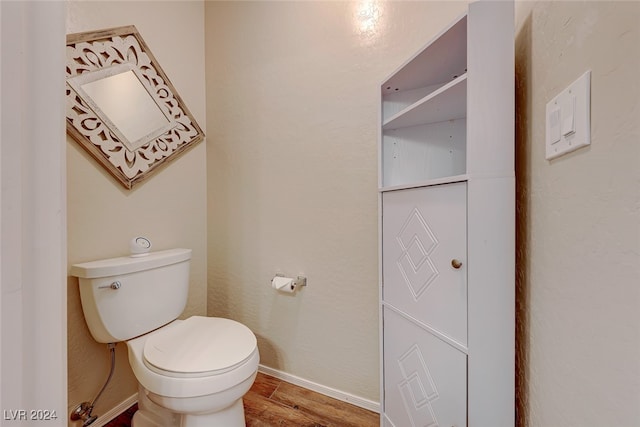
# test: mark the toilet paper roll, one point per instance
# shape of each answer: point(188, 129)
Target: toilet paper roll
point(283, 284)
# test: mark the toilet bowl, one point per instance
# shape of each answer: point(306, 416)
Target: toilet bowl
point(198, 366)
point(192, 372)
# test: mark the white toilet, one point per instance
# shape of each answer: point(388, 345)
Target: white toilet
point(193, 372)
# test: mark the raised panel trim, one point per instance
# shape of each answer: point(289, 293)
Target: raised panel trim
point(410, 244)
point(443, 337)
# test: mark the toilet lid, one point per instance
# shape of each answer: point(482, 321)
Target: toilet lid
point(200, 344)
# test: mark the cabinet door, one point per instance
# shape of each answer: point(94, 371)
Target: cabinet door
point(424, 236)
point(425, 379)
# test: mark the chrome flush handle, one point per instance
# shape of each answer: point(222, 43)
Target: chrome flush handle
point(114, 285)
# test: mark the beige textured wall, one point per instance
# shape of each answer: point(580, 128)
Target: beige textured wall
point(292, 93)
point(579, 219)
point(291, 97)
point(169, 208)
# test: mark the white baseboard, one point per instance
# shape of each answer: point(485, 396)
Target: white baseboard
point(114, 412)
point(319, 388)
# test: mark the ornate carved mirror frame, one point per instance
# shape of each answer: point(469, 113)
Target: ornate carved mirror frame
point(122, 108)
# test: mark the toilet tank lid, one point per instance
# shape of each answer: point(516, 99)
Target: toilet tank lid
point(126, 265)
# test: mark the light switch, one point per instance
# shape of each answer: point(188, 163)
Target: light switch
point(568, 114)
point(554, 126)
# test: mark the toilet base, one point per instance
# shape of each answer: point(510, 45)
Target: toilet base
point(151, 415)
point(205, 411)
point(231, 416)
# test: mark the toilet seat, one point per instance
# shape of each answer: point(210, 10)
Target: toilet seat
point(199, 347)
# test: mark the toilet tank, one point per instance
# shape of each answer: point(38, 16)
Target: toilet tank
point(126, 297)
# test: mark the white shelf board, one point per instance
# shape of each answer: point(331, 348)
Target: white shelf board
point(447, 103)
point(450, 49)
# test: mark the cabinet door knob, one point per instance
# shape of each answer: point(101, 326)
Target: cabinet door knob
point(456, 264)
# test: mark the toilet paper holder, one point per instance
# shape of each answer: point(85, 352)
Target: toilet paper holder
point(297, 282)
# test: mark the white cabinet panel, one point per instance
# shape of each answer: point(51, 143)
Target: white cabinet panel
point(424, 231)
point(425, 377)
point(420, 153)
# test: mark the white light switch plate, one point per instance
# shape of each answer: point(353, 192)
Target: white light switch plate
point(568, 116)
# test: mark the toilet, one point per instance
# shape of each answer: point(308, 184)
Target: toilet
point(192, 372)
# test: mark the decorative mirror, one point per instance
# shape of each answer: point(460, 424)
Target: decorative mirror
point(121, 107)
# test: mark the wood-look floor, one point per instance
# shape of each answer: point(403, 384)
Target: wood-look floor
point(273, 402)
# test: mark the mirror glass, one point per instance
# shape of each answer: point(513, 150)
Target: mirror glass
point(124, 100)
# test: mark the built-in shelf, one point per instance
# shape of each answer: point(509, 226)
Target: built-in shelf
point(413, 154)
point(423, 113)
point(447, 103)
point(450, 49)
point(447, 227)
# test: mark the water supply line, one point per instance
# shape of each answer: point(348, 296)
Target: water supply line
point(83, 410)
